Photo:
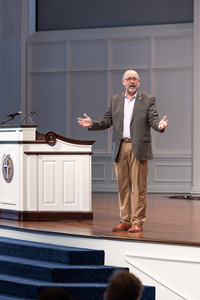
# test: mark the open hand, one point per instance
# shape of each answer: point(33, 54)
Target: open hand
point(85, 122)
point(163, 123)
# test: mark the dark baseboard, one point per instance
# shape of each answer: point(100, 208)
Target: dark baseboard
point(45, 215)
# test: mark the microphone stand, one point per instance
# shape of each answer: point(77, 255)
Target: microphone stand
point(6, 121)
point(30, 114)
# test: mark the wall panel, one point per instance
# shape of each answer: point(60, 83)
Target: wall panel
point(179, 53)
point(48, 91)
point(10, 58)
point(88, 55)
point(173, 90)
point(131, 53)
point(89, 95)
point(98, 171)
point(172, 172)
point(54, 61)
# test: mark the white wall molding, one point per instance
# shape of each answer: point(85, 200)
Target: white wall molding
point(171, 167)
point(157, 269)
point(99, 174)
point(117, 33)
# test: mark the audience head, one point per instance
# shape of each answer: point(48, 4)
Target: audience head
point(54, 293)
point(123, 285)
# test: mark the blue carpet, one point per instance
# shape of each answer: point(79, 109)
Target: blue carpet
point(28, 267)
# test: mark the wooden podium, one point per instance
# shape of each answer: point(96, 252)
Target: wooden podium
point(44, 177)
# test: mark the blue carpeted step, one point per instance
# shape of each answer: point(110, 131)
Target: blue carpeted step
point(96, 292)
point(49, 252)
point(28, 267)
point(148, 294)
point(30, 289)
point(54, 272)
point(8, 297)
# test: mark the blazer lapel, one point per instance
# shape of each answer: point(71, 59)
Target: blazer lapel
point(121, 108)
point(138, 101)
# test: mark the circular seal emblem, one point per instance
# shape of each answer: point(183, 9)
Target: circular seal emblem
point(8, 168)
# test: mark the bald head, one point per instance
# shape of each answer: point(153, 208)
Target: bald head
point(130, 73)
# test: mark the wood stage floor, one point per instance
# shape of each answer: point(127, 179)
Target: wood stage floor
point(173, 221)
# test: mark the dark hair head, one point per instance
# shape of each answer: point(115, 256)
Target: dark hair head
point(123, 286)
point(54, 293)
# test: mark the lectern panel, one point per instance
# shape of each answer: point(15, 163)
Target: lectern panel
point(69, 182)
point(49, 182)
point(59, 182)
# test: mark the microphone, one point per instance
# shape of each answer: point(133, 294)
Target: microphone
point(14, 114)
point(11, 116)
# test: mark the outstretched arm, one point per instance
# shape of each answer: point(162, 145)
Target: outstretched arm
point(94, 125)
point(163, 123)
point(85, 122)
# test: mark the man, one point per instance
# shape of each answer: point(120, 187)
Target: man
point(132, 113)
point(123, 286)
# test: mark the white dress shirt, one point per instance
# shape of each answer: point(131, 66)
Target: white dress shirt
point(128, 110)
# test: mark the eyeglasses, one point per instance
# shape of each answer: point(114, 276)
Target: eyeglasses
point(131, 79)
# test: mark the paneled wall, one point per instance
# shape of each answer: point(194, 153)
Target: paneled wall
point(14, 31)
point(72, 72)
point(10, 67)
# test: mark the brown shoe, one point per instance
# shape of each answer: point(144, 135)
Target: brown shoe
point(122, 227)
point(136, 228)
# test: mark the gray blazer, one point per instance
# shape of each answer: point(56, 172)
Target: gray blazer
point(145, 116)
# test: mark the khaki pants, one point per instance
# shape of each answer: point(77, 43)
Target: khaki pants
point(131, 173)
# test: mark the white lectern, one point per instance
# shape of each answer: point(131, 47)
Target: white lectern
point(44, 177)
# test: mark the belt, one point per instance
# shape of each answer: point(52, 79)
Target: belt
point(126, 140)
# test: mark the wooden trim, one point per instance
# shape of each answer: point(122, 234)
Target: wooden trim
point(45, 142)
point(56, 153)
point(37, 142)
point(48, 138)
point(68, 140)
point(45, 215)
point(33, 142)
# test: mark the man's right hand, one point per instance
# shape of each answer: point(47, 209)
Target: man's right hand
point(85, 122)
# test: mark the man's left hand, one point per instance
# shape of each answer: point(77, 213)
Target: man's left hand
point(163, 123)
